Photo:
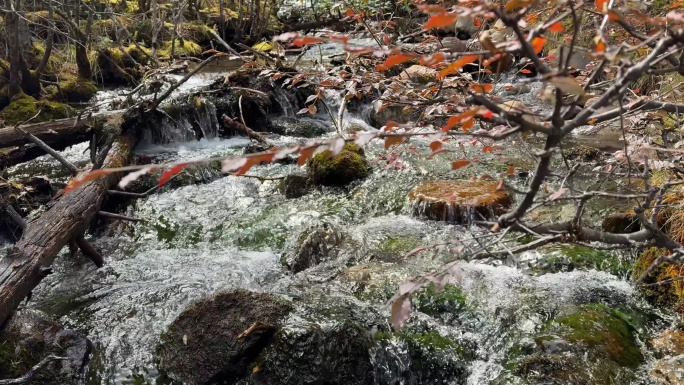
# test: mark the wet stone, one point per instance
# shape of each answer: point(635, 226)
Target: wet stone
point(459, 201)
point(314, 247)
point(295, 185)
point(29, 337)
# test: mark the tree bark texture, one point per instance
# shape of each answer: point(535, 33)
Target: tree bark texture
point(28, 262)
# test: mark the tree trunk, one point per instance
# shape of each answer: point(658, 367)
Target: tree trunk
point(12, 21)
point(28, 262)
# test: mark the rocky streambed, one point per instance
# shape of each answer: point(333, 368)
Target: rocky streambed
point(283, 277)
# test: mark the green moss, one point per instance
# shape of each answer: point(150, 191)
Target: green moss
point(166, 231)
point(391, 249)
point(607, 332)
point(24, 107)
point(570, 257)
point(348, 166)
point(184, 47)
point(76, 91)
point(431, 301)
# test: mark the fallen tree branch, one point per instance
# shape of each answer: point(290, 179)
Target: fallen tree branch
point(108, 215)
point(241, 128)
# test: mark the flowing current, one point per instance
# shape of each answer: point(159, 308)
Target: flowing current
point(231, 232)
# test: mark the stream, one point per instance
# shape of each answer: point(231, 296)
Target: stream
point(232, 232)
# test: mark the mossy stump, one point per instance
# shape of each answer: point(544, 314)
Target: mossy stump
point(77, 91)
point(348, 166)
point(24, 107)
point(459, 201)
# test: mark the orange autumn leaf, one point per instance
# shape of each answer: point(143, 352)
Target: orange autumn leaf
point(79, 181)
point(512, 5)
point(394, 60)
point(481, 88)
point(305, 40)
point(305, 154)
point(166, 175)
point(525, 71)
point(453, 67)
point(459, 164)
point(538, 44)
point(440, 20)
point(510, 171)
point(556, 27)
point(602, 5)
point(436, 145)
point(599, 44)
point(253, 161)
point(393, 141)
point(468, 124)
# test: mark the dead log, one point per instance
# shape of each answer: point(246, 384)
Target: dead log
point(56, 133)
point(242, 129)
point(15, 147)
point(28, 262)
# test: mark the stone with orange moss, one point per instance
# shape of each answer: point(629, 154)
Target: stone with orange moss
point(459, 201)
point(671, 294)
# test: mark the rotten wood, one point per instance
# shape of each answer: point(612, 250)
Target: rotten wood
point(27, 263)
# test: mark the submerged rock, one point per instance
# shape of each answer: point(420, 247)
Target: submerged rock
point(314, 247)
point(295, 185)
point(209, 342)
point(594, 345)
point(458, 201)
point(348, 166)
point(668, 348)
point(30, 336)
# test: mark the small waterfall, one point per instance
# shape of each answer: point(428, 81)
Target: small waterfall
point(284, 99)
point(207, 120)
point(185, 124)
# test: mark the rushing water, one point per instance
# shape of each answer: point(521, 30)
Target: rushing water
point(201, 239)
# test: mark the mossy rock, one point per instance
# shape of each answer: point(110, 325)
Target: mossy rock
point(459, 201)
point(348, 166)
point(594, 345)
point(24, 107)
point(198, 32)
point(77, 91)
point(183, 47)
point(30, 336)
point(663, 295)
point(206, 344)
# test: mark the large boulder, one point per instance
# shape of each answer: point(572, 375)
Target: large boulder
point(211, 341)
point(29, 337)
point(242, 337)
